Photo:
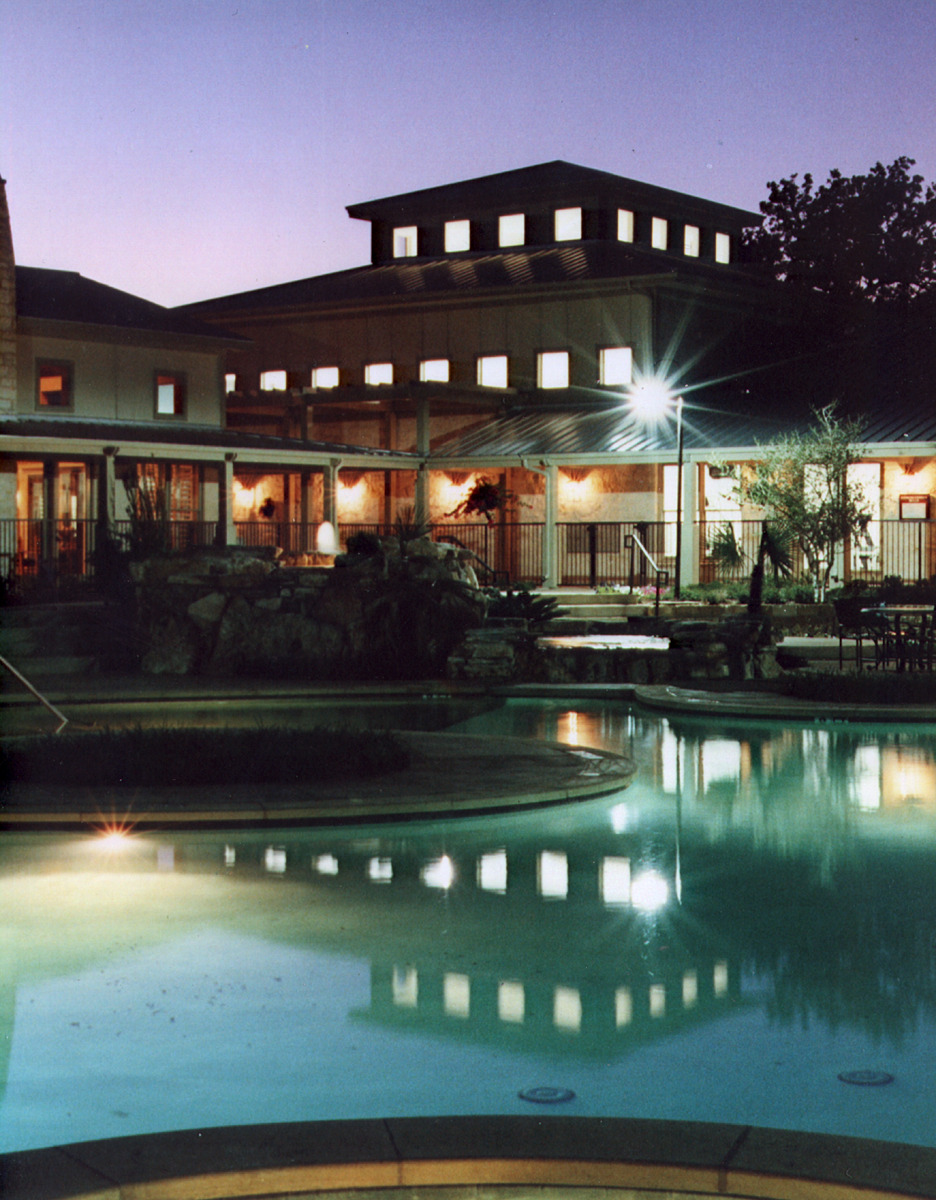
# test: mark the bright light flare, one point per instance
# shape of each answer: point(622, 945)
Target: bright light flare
point(649, 892)
point(440, 873)
point(651, 398)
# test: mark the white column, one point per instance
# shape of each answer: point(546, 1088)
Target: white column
point(330, 477)
point(690, 525)
point(227, 534)
point(550, 532)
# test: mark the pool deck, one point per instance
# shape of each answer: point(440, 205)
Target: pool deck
point(448, 773)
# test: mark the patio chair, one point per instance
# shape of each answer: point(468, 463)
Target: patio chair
point(860, 627)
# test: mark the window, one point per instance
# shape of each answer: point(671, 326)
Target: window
point(722, 248)
point(568, 224)
point(511, 230)
point(272, 381)
point(54, 384)
point(492, 370)
point(170, 395)
point(625, 230)
point(434, 370)
point(378, 373)
point(691, 241)
point(457, 236)
point(615, 366)
point(405, 239)
point(230, 383)
point(324, 377)
point(552, 369)
point(659, 233)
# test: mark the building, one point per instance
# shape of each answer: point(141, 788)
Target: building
point(498, 333)
point(106, 398)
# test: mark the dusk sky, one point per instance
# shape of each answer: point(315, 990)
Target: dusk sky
point(182, 149)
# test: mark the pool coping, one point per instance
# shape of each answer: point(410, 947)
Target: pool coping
point(389, 1157)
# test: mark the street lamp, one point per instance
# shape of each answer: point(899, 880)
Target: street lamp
point(650, 400)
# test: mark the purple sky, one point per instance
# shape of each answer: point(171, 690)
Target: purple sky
point(181, 149)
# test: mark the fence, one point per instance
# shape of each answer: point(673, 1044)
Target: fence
point(588, 554)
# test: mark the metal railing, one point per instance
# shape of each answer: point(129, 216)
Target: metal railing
point(589, 553)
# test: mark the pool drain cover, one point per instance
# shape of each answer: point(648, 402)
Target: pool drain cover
point(866, 1078)
point(546, 1095)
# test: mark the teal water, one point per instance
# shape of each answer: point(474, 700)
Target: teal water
point(752, 918)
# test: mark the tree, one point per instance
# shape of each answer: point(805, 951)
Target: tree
point(866, 238)
point(801, 482)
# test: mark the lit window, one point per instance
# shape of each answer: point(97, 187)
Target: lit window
point(326, 864)
point(615, 880)
point(230, 856)
point(567, 1008)
point(457, 236)
point(625, 230)
point(691, 241)
point(230, 384)
point(54, 385)
point(324, 377)
point(657, 1000)
point(405, 238)
point(492, 370)
point(434, 370)
point(720, 978)
point(378, 373)
point(552, 870)
point(722, 248)
point(456, 995)
point(615, 366)
point(690, 988)
point(659, 233)
point(274, 859)
point(510, 1002)
point(380, 870)
point(511, 230)
point(552, 369)
point(170, 396)
point(623, 1007)
point(440, 873)
point(272, 381)
point(492, 871)
point(405, 987)
point(568, 224)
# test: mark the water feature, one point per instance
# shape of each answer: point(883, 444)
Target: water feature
point(745, 934)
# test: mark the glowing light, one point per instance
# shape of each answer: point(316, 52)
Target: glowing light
point(274, 859)
point(649, 891)
point(440, 873)
point(690, 989)
point(620, 818)
point(326, 541)
point(405, 987)
point(650, 398)
point(380, 870)
point(553, 872)
point(326, 864)
point(567, 1009)
point(720, 978)
point(615, 880)
point(623, 1007)
point(113, 839)
point(657, 1000)
point(456, 995)
point(492, 871)
point(511, 1003)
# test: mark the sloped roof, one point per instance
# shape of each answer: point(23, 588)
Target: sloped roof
point(536, 431)
point(465, 273)
point(553, 182)
point(50, 295)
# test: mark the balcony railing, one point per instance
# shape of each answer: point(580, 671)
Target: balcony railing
point(589, 554)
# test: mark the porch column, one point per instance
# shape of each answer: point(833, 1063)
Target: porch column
point(306, 537)
point(550, 532)
point(330, 498)
point(107, 491)
point(421, 498)
point(49, 511)
point(226, 534)
point(689, 572)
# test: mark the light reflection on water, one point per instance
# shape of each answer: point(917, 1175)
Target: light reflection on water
point(751, 917)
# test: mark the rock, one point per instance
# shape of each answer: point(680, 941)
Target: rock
point(208, 610)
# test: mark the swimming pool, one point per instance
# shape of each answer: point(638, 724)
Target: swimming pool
point(724, 940)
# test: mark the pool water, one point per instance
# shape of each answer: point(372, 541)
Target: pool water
point(753, 918)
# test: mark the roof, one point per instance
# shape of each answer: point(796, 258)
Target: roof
point(49, 295)
point(552, 182)
point(479, 272)
point(536, 431)
point(35, 426)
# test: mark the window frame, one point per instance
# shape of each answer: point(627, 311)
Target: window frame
point(541, 357)
point(721, 247)
point(325, 387)
point(603, 380)
point(274, 371)
point(372, 366)
point(425, 377)
point(492, 358)
point(659, 233)
point(56, 366)
point(692, 240)
point(162, 378)
point(409, 236)
point(626, 224)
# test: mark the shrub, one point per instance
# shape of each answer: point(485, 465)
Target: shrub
point(520, 603)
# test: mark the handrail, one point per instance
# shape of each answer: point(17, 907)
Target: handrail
point(63, 720)
point(660, 572)
point(494, 574)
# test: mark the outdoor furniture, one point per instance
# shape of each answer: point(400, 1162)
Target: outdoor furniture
point(905, 637)
point(860, 624)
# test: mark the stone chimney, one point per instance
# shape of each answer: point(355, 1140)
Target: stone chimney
point(7, 309)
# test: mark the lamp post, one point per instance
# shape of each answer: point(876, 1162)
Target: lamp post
point(651, 399)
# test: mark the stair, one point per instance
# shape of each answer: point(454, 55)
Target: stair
point(594, 613)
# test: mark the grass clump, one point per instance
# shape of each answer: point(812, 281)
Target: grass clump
point(170, 757)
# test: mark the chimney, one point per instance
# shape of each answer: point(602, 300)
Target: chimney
point(7, 309)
